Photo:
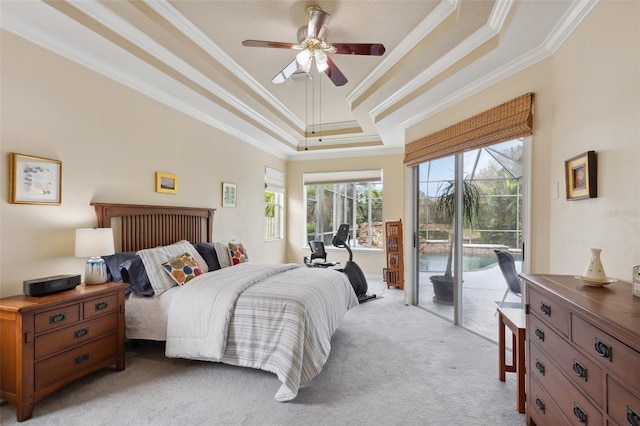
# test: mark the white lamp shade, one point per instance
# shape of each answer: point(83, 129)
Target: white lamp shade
point(94, 242)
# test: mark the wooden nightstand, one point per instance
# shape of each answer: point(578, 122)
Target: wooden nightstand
point(49, 341)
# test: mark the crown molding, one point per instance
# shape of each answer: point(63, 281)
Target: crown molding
point(428, 24)
point(571, 19)
point(179, 21)
point(495, 23)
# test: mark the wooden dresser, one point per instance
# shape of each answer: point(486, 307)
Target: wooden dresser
point(52, 340)
point(583, 352)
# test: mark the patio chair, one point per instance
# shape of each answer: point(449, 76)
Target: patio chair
point(508, 267)
point(318, 257)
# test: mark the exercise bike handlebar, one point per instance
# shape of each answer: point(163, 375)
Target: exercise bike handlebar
point(341, 238)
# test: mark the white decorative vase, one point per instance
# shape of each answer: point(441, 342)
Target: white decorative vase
point(595, 270)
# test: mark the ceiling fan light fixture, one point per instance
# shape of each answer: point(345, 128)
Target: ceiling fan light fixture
point(304, 60)
point(321, 60)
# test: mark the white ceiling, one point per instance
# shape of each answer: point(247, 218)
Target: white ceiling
point(188, 55)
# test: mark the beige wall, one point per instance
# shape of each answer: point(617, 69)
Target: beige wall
point(111, 141)
point(370, 261)
point(587, 97)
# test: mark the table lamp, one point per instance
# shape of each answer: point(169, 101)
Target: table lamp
point(93, 243)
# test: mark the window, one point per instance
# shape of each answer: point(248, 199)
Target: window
point(333, 199)
point(274, 202)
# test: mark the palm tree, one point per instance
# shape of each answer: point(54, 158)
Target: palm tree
point(445, 210)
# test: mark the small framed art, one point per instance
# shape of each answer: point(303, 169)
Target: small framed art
point(229, 194)
point(167, 183)
point(34, 180)
point(581, 174)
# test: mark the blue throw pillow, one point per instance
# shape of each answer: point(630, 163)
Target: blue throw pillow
point(113, 264)
point(134, 273)
point(208, 253)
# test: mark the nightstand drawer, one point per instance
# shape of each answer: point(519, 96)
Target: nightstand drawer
point(549, 311)
point(95, 307)
point(75, 335)
point(57, 318)
point(607, 351)
point(75, 361)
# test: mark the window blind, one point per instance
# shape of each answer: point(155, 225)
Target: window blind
point(359, 176)
point(273, 180)
point(511, 120)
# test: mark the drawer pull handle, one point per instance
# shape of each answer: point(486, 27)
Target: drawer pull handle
point(80, 333)
point(579, 414)
point(102, 305)
point(633, 417)
point(580, 370)
point(545, 309)
point(539, 404)
point(81, 358)
point(539, 334)
point(540, 367)
point(54, 319)
point(603, 349)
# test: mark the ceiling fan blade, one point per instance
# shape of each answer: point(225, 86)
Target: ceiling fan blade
point(334, 74)
point(374, 49)
point(263, 43)
point(287, 72)
point(318, 22)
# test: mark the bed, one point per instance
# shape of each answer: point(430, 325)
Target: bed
point(209, 302)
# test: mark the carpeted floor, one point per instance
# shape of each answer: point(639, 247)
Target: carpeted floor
point(390, 364)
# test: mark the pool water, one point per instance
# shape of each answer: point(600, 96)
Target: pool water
point(438, 262)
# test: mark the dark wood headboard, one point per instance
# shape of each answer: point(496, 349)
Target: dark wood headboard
point(139, 227)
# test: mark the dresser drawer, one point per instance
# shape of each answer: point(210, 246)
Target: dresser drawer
point(75, 361)
point(549, 310)
point(571, 402)
point(101, 306)
point(58, 340)
point(622, 406)
point(583, 372)
point(607, 351)
point(56, 318)
point(541, 407)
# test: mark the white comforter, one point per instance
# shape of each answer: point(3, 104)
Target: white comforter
point(278, 318)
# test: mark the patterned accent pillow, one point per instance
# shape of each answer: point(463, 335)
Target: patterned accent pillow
point(237, 253)
point(155, 257)
point(182, 268)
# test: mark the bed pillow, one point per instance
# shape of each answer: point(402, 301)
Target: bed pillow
point(182, 268)
point(113, 264)
point(208, 253)
point(222, 251)
point(134, 273)
point(155, 257)
point(237, 253)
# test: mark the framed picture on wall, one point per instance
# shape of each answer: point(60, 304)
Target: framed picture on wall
point(34, 180)
point(581, 175)
point(229, 194)
point(167, 183)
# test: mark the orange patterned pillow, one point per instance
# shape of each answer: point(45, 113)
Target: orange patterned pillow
point(182, 268)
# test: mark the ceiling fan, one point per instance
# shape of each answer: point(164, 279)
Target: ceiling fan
point(312, 45)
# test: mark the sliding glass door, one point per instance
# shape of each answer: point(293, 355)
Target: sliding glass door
point(469, 205)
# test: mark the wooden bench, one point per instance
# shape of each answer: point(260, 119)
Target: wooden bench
point(515, 320)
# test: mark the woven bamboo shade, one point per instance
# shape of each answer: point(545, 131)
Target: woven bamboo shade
point(511, 120)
